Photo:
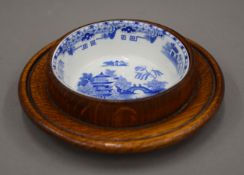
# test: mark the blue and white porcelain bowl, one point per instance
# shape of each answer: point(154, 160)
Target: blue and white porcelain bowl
point(121, 60)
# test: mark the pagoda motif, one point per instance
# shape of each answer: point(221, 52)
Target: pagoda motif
point(102, 84)
point(109, 85)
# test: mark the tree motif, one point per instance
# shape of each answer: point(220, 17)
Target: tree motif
point(122, 83)
point(87, 89)
point(156, 85)
point(143, 74)
point(86, 78)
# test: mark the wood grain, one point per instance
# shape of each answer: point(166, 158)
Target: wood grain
point(126, 113)
point(38, 105)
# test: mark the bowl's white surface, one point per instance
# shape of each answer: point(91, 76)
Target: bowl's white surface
point(120, 60)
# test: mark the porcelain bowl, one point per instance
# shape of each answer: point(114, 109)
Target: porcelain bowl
point(121, 73)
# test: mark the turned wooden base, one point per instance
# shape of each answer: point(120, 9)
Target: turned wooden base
point(38, 105)
point(125, 113)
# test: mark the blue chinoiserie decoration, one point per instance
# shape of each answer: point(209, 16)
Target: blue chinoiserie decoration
point(171, 51)
point(115, 63)
point(109, 85)
point(125, 70)
point(143, 74)
point(108, 30)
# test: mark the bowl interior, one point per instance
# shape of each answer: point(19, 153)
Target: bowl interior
point(120, 60)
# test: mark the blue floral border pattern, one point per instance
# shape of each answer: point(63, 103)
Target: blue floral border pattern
point(108, 30)
point(109, 85)
point(89, 35)
point(171, 51)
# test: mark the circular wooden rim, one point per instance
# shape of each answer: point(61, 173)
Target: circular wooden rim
point(136, 139)
point(172, 88)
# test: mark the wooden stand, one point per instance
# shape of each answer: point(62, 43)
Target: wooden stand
point(38, 105)
point(125, 113)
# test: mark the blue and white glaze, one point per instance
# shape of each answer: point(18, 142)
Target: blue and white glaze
point(120, 60)
point(108, 85)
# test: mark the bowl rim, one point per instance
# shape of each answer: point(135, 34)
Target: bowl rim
point(181, 38)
